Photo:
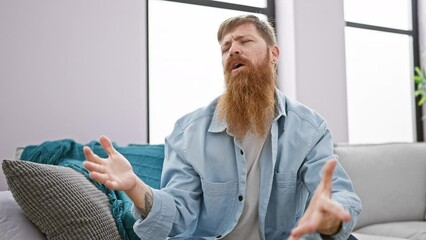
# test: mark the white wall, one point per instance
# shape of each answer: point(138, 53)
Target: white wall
point(312, 64)
point(71, 69)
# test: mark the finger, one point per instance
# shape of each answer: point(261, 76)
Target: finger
point(94, 167)
point(337, 210)
point(106, 144)
point(293, 238)
point(306, 226)
point(327, 177)
point(91, 156)
point(302, 229)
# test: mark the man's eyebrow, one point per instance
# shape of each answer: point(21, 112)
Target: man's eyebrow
point(238, 37)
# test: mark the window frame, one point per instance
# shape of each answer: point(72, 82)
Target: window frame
point(414, 33)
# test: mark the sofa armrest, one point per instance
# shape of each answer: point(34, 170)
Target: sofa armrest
point(18, 152)
point(389, 178)
point(3, 183)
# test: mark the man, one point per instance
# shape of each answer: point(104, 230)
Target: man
point(251, 165)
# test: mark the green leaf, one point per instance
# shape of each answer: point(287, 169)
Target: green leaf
point(421, 75)
point(422, 100)
point(417, 79)
point(418, 71)
point(420, 81)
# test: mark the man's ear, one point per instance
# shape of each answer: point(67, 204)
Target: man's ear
point(275, 53)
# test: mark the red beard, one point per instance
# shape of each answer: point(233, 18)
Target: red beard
point(248, 103)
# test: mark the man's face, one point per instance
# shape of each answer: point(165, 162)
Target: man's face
point(245, 43)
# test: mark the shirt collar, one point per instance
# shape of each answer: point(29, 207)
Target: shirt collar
point(218, 125)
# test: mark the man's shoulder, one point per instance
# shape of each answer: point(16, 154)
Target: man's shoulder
point(299, 111)
point(199, 115)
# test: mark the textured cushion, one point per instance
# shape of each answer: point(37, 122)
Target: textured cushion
point(389, 178)
point(13, 223)
point(361, 236)
point(407, 230)
point(61, 202)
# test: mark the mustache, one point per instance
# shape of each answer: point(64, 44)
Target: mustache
point(236, 59)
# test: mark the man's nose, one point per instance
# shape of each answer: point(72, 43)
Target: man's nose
point(234, 50)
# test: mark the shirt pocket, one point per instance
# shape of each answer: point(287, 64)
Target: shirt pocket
point(284, 181)
point(219, 199)
point(282, 204)
point(218, 189)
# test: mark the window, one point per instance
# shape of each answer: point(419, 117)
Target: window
point(185, 70)
point(394, 14)
point(381, 51)
point(253, 3)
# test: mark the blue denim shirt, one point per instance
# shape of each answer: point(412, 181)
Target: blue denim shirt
point(204, 177)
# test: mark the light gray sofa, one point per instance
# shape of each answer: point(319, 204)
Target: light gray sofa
point(390, 179)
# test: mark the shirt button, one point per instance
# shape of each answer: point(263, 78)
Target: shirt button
point(240, 198)
point(241, 151)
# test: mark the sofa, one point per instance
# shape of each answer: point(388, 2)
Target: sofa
point(389, 178)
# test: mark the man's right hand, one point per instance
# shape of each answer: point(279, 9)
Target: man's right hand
point(117, 174)
point(115, 171)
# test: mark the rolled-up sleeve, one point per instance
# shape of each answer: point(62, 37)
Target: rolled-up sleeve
point(159, 222)
point(342, 192)
point(352, 204)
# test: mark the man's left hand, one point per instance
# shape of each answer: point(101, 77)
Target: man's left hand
point(323, 215)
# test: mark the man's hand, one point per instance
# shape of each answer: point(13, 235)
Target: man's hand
point(116, 173)
point(323, 214)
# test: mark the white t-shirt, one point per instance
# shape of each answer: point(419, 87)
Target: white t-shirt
point(248, 225)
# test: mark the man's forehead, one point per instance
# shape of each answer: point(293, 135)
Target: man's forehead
point(242, 30)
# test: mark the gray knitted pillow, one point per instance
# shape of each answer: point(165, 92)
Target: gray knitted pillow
point(61, 202)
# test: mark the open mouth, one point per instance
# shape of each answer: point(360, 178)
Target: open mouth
point(237, 66)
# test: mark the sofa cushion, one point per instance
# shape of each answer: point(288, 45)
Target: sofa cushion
point(389, 178)
point(60, 201)
point(409, 230)
point(13, 222)
point(361, 236)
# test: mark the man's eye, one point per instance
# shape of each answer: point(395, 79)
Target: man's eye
point(225, 50)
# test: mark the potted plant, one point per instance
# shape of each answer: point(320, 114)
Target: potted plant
point(420, 80)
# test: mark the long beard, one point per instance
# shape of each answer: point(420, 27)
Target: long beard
point(248, 103)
